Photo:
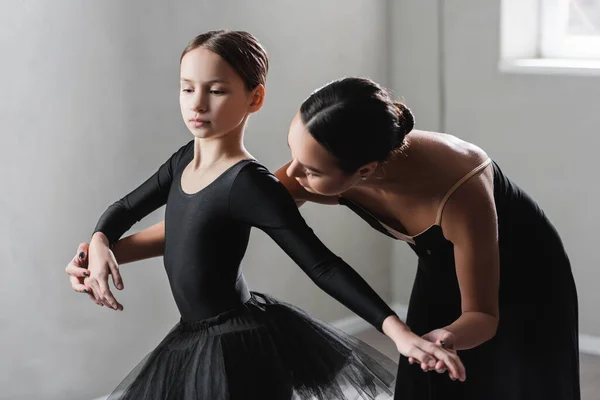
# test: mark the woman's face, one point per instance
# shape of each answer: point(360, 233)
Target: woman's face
point(313, 166)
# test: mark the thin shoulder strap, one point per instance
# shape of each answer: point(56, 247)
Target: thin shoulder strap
point(458, 184)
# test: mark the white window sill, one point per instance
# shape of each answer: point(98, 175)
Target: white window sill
point(544, 66)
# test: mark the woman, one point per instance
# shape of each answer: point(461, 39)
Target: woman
point(493, 280)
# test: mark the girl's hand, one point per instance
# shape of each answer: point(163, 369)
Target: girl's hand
point(442, 338)
point(102, 263)
point(430, 355)
point(77, 271)
point(418, 349)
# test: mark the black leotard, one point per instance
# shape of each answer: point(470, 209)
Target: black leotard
point(207, 234)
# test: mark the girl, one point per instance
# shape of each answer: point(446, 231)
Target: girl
point(232, 343)
point(493, 280)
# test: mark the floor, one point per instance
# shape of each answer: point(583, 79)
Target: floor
point(589, 365)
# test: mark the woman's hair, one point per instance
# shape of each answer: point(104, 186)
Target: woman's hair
point(240, 49)
point(357, 121)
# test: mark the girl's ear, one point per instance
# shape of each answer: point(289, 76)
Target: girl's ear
point(258, 98)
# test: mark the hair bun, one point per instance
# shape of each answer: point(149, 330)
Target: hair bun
point(406, 121)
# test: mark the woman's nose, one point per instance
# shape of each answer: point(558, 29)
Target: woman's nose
point(294, 170)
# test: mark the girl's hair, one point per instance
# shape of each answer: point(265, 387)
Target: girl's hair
point(357, 121)
point(240, 49)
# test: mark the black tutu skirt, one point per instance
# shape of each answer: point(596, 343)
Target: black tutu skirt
point(265, 350)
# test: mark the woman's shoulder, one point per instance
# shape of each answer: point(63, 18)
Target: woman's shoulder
point(450, 151)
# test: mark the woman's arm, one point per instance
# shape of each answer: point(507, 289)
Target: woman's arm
point(470, 223)
point(259, 200)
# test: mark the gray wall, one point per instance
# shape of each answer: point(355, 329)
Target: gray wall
point(90, 109)
point(542, 130)
point(415, 77)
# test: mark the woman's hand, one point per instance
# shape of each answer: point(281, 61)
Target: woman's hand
point(423, 351)
point(442, 338)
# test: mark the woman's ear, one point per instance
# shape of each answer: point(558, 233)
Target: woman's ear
point(368, 169)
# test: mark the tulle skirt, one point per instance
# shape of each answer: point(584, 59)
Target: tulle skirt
point(267, 349)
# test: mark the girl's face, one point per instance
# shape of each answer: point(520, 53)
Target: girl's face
point(213, 99)
point(313, 166)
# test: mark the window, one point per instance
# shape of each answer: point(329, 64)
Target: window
point(550, 36)
point(570, 29)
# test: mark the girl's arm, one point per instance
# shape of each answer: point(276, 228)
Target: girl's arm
point(142, 245)
point(149, 196)
point(150, 242)
point(258, 199)
point(119, 218)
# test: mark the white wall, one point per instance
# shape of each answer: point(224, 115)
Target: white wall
point(415, 77)
point(542, 130)
point(89, 109)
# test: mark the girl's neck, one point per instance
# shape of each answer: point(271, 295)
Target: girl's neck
point(210, 152)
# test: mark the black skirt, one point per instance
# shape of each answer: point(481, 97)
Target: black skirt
point(266, 349)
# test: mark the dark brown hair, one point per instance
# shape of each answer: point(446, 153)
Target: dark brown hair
point(240, 49)
point(357, 121)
